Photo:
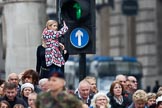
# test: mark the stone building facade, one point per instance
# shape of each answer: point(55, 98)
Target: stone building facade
point(116, 34)
point(138, 36)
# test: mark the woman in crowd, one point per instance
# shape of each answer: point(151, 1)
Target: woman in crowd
point(117, 99)
point(100, 100)
point(139, 99)
point(26, 89)
point(31, 76)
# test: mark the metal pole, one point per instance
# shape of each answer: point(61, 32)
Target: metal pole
point(82, 66)
point(131, 36)
point(59, 11)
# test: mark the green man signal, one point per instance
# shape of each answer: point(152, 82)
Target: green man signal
point(77, 7)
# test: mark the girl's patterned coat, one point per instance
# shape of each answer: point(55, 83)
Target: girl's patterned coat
point(52, 52)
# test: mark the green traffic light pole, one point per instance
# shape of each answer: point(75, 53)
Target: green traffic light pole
point(82, 57)
point(82, 66)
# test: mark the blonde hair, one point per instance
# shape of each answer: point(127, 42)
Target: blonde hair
point(33, 94)
point(159, 93)
point(140, 95)
point(99, 94)
point(151, 95)
point(89, 77)
point(50, 22)
point(160, 89)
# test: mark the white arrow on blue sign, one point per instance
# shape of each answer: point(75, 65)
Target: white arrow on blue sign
point(79, 37)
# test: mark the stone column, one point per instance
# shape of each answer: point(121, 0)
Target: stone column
point(146, 41)
point(23, 24)
point(104, 33)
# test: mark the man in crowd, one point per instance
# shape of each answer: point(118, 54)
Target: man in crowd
point(13, 78)
point(83, 92)
point(133, 84)
point(10, 95)
point(57, 97)
point(122, 79)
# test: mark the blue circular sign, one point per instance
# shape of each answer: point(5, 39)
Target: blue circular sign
point(79, 37)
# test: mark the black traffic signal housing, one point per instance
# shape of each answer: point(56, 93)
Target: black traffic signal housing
point(78, 15)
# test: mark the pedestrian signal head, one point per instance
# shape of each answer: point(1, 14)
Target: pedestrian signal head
point(75, 10)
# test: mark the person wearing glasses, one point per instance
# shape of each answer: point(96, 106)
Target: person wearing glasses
point(133, 84)
point(31, 76)
point(100, 100)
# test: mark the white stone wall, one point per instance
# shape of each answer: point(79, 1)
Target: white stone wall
point(23, 25)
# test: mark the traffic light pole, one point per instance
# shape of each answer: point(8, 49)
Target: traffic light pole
point(82, 66)
point(58, 11)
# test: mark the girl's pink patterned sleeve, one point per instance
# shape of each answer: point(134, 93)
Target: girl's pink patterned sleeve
point(54, 34)
point(63, 30)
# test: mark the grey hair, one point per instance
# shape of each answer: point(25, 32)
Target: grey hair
point(98, 95)
point(42, 81)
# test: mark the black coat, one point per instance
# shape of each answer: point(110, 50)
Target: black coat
point(88, 101)
point(17, 100)
point(114, 104)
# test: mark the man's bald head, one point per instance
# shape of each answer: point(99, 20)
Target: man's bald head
point(13, 78)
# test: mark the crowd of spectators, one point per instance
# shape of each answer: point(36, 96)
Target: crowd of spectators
point(28, 91)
